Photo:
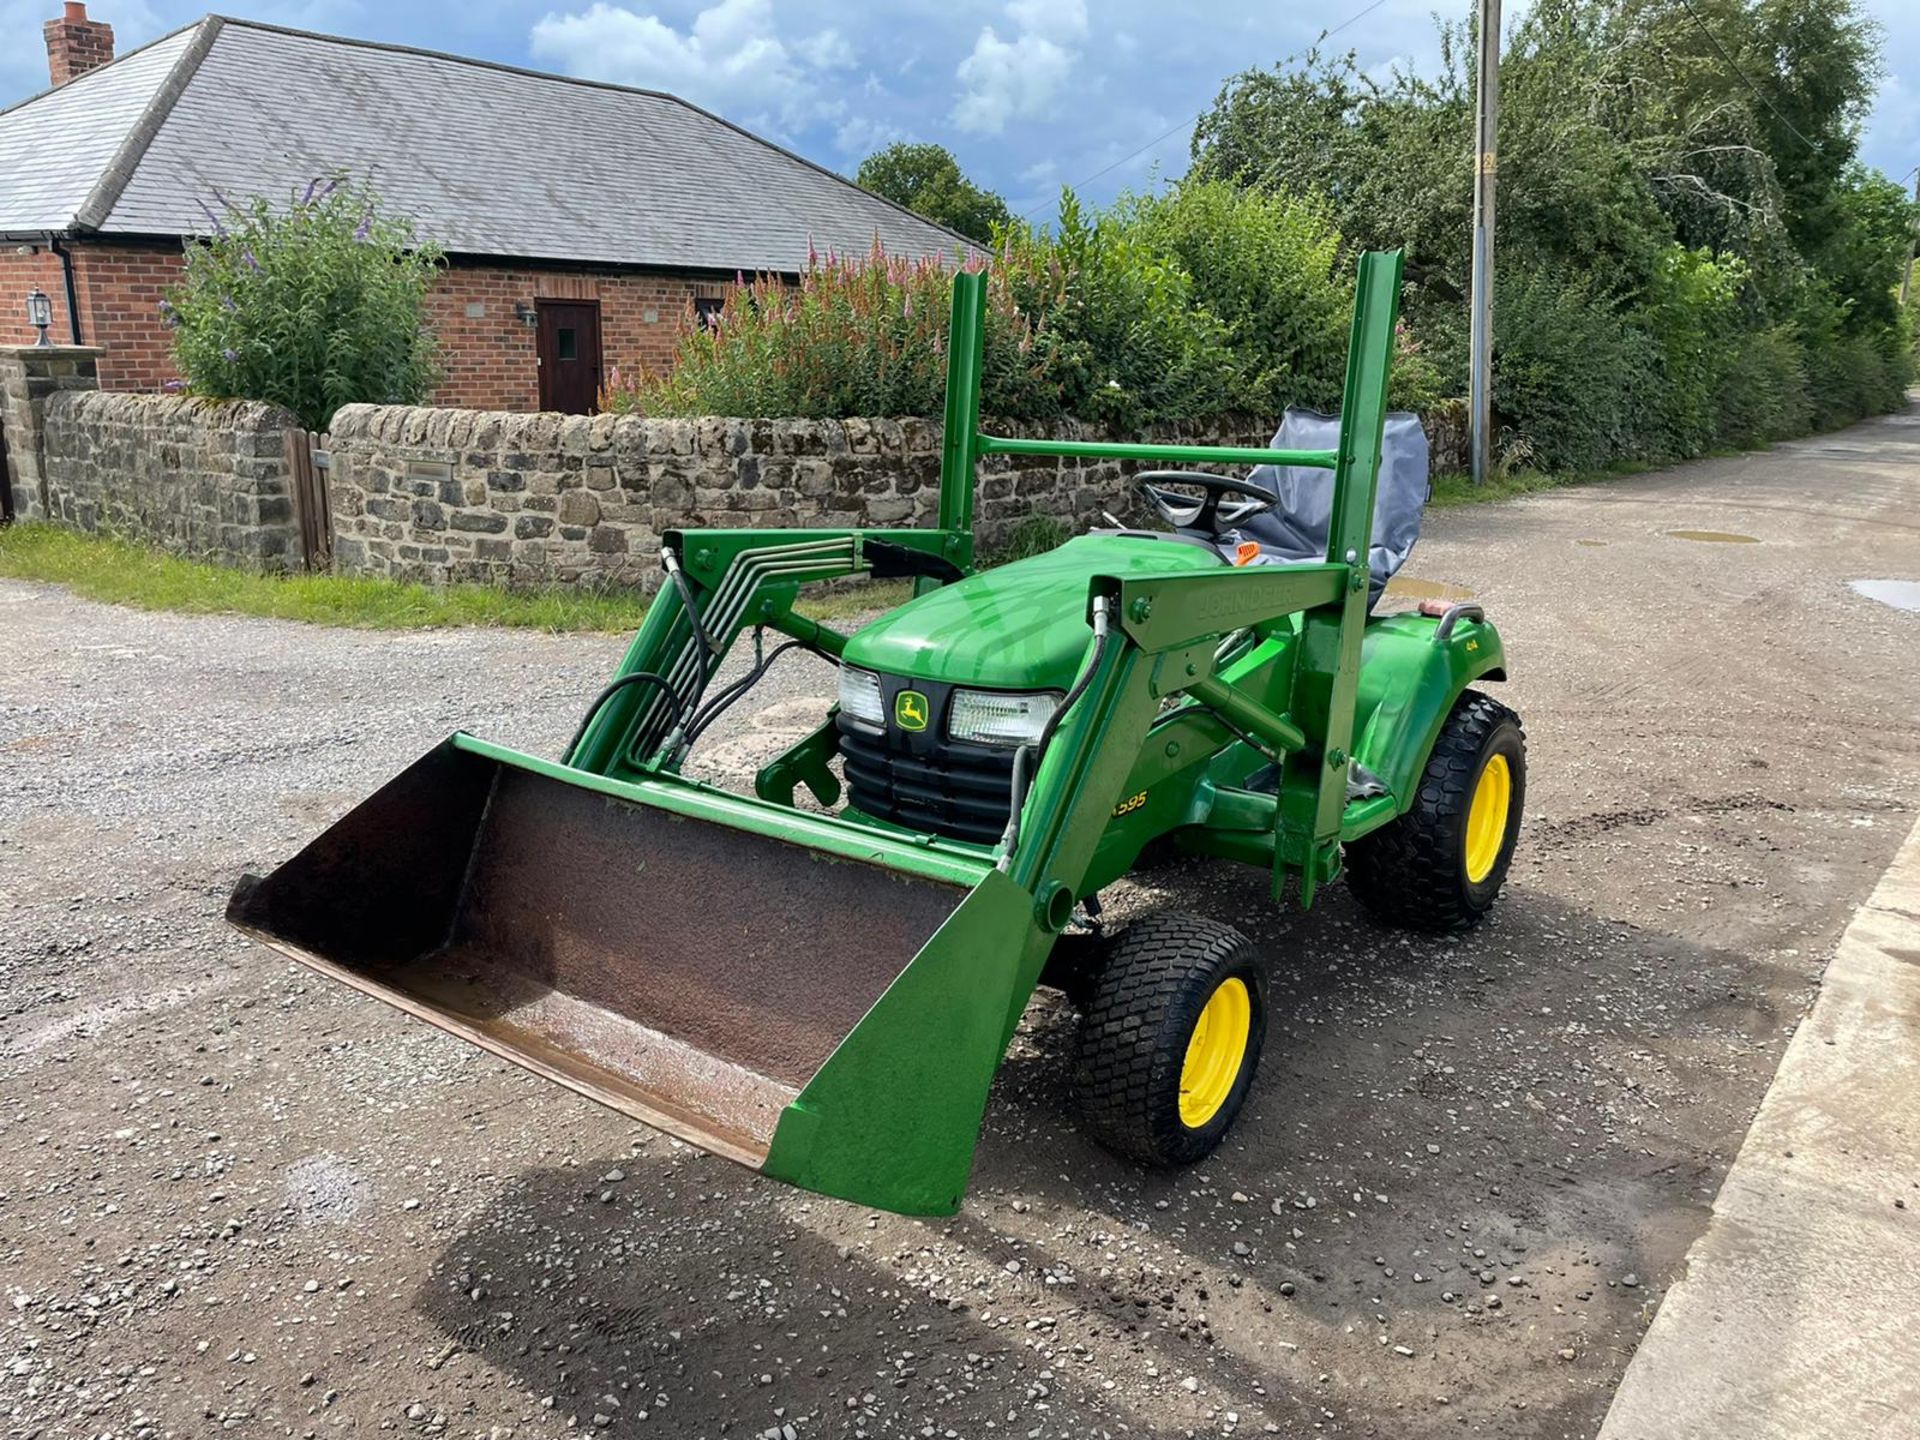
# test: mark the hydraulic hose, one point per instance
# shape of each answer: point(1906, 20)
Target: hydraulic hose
point(813, 559)
point(1023, 768)
point(671, 563)
point(638, 677)
point(720, 703)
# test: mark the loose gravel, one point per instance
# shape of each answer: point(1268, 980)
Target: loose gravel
point(240, 1199)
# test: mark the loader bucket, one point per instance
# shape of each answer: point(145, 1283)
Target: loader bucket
point(654, 947)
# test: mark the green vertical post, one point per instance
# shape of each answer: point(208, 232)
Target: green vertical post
point(960, 444)
point(1327, 672)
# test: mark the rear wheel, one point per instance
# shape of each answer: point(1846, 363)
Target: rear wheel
point(1440, 866)
point(1171, 1038)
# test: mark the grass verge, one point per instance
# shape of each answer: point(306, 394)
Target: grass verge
point(119, 572)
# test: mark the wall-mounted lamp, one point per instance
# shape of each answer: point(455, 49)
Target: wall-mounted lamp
point(525, 313)
point(39, 314)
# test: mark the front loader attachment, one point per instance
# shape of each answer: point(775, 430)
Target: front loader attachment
point(826, 997)
point(691, 959)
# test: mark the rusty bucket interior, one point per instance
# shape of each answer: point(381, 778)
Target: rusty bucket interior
point(688, 973)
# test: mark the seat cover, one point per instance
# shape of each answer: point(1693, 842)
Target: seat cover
point(1297, 527)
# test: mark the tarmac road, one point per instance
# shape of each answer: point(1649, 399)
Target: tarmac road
point(236, 1198)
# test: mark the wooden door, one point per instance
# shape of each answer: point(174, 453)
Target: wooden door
point(569, 350)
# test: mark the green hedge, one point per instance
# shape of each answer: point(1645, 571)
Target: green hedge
point(1217, 298)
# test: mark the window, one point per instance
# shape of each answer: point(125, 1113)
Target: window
point(706, 310)
point(565, 347)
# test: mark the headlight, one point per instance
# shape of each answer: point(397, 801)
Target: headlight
point(860, 697)
point(997, 717)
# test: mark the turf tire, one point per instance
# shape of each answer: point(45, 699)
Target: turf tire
point(1156, 977)
point(1412, 872)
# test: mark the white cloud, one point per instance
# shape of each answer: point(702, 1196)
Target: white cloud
point(1021, 78)
point(829, 50)
point(1054, 19)
point(730, 59)
point(858, 136)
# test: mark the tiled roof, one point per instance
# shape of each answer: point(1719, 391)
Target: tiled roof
point(56, 149)
point(485, 159)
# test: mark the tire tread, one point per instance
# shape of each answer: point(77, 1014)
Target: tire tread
point(1407, 872)
point(1125, 1057)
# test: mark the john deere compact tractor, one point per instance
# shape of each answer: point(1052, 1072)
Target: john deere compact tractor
point(824, 993)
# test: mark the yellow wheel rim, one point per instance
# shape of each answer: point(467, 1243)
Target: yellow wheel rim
point(1215, 1053)
point(1487, 818)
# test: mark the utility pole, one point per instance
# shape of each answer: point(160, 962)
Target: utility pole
point(1906, 276)
point(1486, 124)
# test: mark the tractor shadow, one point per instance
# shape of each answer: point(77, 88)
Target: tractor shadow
point(691, 1298)
point(1557, 1063)
point(1554, 1096)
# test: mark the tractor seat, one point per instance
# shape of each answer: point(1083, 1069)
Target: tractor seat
point(1295, 531)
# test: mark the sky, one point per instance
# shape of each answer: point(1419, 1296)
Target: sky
point(1029, 94)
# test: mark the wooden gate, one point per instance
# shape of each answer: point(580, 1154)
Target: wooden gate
point(308, 464)
point(6, 479)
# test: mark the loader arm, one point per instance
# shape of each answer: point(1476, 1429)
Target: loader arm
point(935, 1038)
point(736, 580)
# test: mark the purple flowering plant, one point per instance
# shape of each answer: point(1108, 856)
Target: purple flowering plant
point(313, 302)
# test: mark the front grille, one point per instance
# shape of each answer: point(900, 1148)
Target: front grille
point(959, 791)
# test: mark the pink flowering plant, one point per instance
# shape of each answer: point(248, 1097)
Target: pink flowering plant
point(1198, 303)
point(312, 304)
point(858, 335)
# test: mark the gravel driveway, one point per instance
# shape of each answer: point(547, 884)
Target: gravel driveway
point(239, 1199)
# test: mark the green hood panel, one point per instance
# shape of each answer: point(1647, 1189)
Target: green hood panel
point(1019, 627)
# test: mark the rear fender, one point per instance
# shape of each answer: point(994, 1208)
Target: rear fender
point(1408, 685)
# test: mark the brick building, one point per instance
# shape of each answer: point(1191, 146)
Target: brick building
point(582, 222)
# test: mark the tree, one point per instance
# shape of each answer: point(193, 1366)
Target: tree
point(928, 181)
point(313, 305)
point(1682, 227)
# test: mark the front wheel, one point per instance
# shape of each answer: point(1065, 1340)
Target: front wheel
point(1440, 866)
point(1171, 1038)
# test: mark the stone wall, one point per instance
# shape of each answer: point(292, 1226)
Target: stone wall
point(30, 376)
point(203, 478)
point(1446, 427)
point(470, 495)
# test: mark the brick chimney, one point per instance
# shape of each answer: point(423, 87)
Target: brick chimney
point(76, 44)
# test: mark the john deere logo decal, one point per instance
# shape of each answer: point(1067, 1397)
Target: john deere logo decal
point(910, 710)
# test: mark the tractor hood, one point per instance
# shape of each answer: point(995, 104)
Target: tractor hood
point(1018, 627)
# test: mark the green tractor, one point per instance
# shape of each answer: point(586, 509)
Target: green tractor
point(823, 990)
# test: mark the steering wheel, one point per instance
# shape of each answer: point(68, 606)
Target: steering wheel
point(1209, 515)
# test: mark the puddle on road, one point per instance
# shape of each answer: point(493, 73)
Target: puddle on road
point(1715, 537)
point(1409, 587)
point(1901, 594)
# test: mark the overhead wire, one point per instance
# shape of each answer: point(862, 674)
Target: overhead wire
point(1741, 76)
